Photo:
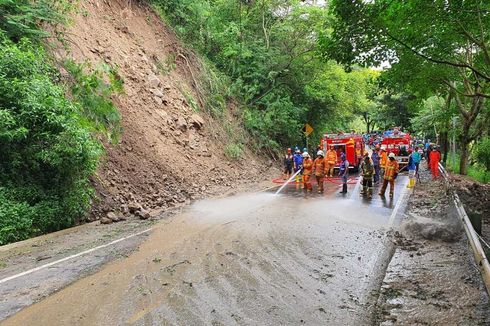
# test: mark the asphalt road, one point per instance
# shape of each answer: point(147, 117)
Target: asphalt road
point(256, 259)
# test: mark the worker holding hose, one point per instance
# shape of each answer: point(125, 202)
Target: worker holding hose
point(319, 169)
point(307, 171)
point(298, 163)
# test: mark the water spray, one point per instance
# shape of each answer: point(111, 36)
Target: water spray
point(287, 182)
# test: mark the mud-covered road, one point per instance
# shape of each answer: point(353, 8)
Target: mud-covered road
point(254, 259)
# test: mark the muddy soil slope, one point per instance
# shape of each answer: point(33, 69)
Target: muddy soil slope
point(170, 151)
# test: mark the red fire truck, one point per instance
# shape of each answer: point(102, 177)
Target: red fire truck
point(397, 143)
point(350, 144)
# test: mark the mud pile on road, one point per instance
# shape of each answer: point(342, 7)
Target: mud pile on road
point(171, 150)
point(432, 278)
point(429, 213)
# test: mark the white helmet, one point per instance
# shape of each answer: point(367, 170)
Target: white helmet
point(320, 152)
point(391, 155)
point(305, 154)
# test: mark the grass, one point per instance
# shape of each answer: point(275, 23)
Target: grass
point(475, 171)
point(233, 151)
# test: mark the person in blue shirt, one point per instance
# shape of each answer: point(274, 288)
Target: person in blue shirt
point(376, 160)
point(417, 157)
point(298, 163)
point(411, 169)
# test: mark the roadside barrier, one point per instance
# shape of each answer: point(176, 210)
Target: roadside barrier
point(473, 237)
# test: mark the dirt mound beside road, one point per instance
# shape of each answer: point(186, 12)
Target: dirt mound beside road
point(429, 214)
point(170, 151)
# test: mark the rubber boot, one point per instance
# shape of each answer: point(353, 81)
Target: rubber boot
point(370, 193)
point(363, 191)
point(411, 183)
point(344, 188)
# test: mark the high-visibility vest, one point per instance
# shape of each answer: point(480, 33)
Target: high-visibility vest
point(384, 159)
point(331, 156)
point(391, 169)
point(367, 170)
point(307, 166)
point(319, 166)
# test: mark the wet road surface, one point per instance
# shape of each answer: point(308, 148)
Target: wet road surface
point(256, 259)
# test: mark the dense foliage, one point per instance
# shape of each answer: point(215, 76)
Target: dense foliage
point(268, 50)
point(47, 144)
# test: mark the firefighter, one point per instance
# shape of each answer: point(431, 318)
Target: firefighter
point(288, 165)
point(376, 164)
point(435, 157)
point(298, 163)
point(319, 169)
point(307, 169)
point(391, 172)
point(382, 161)
point(367, 172)
point(344, 172)
point(331, 160)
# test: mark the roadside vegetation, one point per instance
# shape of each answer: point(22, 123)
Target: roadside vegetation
point(49, 142)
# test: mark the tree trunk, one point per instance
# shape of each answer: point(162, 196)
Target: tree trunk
point(444, 146)
point(463, 160)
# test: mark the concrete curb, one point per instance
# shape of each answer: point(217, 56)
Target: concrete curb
point(479, 255)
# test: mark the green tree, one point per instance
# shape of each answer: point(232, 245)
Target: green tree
point(433, 47)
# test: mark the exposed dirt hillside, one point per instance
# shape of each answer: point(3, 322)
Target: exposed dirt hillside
point(169, 153)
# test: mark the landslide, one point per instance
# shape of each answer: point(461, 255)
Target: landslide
point(171, 150)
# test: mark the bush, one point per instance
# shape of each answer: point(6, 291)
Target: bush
point(233, 151)
point(482, 152)
point(47, 151)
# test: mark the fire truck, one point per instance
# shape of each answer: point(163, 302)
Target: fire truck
point(398, 143)
point(350, 144)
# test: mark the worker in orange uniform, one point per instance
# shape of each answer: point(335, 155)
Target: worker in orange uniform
point(307, 170)
point(391, 172)
point(434, 158)
point(383, 159)
point(319, 169)
point(331, 160)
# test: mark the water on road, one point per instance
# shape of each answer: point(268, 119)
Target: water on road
point(258, 259)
